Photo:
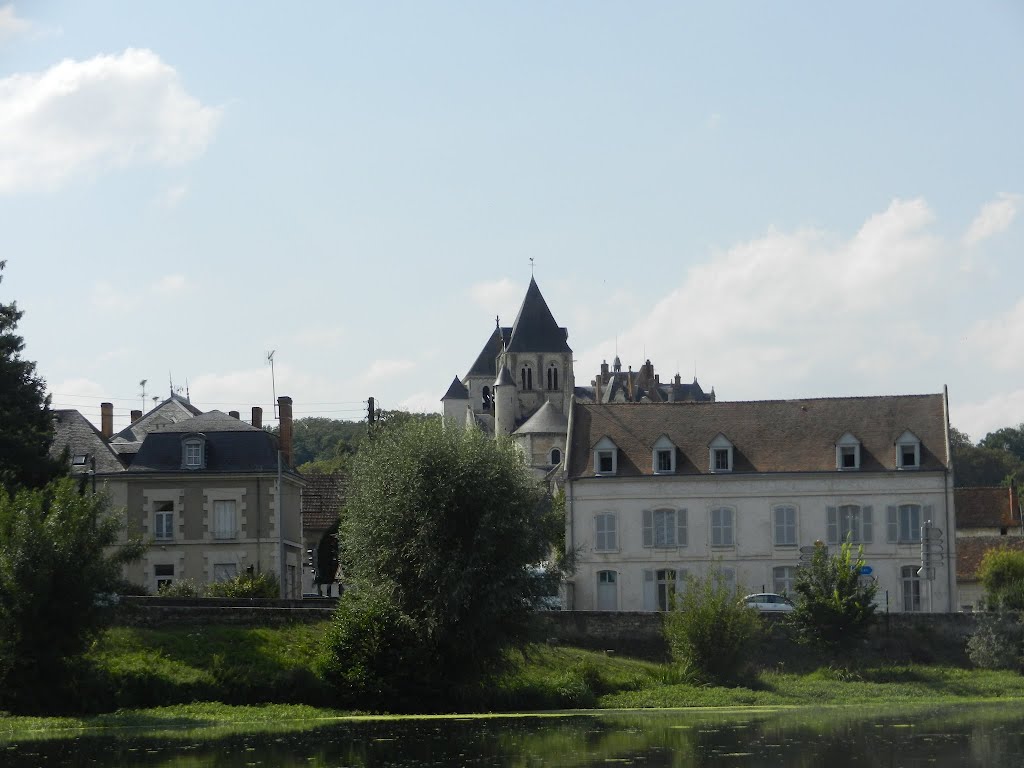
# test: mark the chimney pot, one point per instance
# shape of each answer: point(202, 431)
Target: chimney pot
point(136, 415)
point(106, 420)
point(284, 412)
point(233, 414)
point(257, 417)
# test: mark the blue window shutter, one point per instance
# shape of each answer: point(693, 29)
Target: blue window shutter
point(832, 525)
point(892, 524)
point(648, 528)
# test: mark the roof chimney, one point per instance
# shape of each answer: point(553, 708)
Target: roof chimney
point(257, 417)
point(233, 414)
point(284, 412)
point(136, 415)
point(678, 379)
point(106, 420)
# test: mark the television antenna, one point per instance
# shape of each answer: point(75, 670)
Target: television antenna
point(143, 394)
point(273, 383)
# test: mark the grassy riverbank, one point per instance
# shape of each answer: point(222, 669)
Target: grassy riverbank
point(191, 676)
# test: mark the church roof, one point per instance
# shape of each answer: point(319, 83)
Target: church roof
point(547, 420)
point(486, 361)
point(504, 378)
point(457, 391)
point(535, 329)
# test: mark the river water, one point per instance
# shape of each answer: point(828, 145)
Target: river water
point(972, 735)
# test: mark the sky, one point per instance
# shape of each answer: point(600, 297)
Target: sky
point(785, 200)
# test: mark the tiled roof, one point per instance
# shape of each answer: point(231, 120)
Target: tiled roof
point(768, 436)
point(971, 549)
point(73, 431)
point(547, 420)
point(322, 500)
point(486, 363)
point(535, 329)
point(984, 508)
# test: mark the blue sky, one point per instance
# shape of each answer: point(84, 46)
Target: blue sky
point(790, 199)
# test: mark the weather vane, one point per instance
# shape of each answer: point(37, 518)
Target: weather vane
point(531, 266)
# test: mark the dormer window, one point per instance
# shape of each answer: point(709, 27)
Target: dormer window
point(193, 452)
point(606, 457)
point(663, 457)
point(79, 459)
point(847, 453)
point(908, 451)
point(721, 454)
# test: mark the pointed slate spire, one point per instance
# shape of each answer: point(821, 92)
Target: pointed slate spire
point(457, 391)
point(535, 329)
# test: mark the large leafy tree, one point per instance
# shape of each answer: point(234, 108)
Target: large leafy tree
point(441, 527)
point(57, 563)
point(26, 423)
point(993, 461)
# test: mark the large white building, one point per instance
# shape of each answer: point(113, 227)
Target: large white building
point(658, 491)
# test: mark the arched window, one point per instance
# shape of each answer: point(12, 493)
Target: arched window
point(486, 398)
point(552, 376)
point(526, 376)
point(556, 456)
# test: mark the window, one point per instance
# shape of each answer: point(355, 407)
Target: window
point(664, 456)
point(552, 376)
point(556, 456)
point(661, 586)
point(163, 520)
point(526, 376)
point(729, 578)
point(485, 398)
point(722, 527)
point(605, 457)
point(849, 522)
point(905, 521)
point(783, 579)
point(847, 452)
point(192, 452)
point(80, 459)
point(908, 451)
point(225, 525)
point(785, 526)
point(721, 454)
point(224, 571)
point(664, 528)
point(607, 591)
point(911, 588)
point(605, 532)
point(164, 575)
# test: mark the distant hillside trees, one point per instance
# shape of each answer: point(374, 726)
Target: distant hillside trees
point(997, 459)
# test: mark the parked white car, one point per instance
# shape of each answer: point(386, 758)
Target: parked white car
point(769, 602)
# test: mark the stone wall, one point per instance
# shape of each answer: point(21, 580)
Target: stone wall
point(253, 612)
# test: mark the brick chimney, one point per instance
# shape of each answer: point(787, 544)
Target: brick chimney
point(106, 420)
point(233, 414)
point(604, 371)
point(136, 415)
point(284, 412)
point(257, 417)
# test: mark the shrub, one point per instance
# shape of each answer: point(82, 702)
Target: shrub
point(1002, 573)
point(182, 588)
point(245, 585)
point(998, 643)
point(834, 607)
point(708, 631)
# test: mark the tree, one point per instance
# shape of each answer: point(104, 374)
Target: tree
point(58, 564)
point(1009, 439)
point(438, 535)
point(1001, 572)
point(834, 606)
point(709, 631)
point(987, 464)
point(26, 423)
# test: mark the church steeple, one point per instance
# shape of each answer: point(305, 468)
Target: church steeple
point(535, 329)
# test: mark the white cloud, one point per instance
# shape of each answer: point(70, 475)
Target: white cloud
point(110, 111)
point(994, 217)
point(1001, 338)
point(241, 390)
point(169, 285)
point(385, 369)
point(499, 296)
point(320, 337)
point(977, 419)
point(10, 24)
point(173, 195)
point(778, 314)
point(421, 402)
point(106, 298)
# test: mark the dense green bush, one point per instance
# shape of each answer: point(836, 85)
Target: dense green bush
point(1002, 574)
point(834, 606)
point(998, 643)
point(246, 585)
point(181, 588)
point(709, 632)
point(58, 564)
point(439, 533)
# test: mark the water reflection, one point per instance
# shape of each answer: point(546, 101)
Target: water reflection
point(989, 736)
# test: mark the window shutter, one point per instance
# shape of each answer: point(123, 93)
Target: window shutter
point(680, 580)
point(650, 592)
point(832, 525)
point(892, 524)
point(926, 514)
point(728, 530)
point(648, 530)
point(612, 531)
point(866, 527)
point(681, 534)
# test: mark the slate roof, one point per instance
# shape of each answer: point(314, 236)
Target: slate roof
point(504, 378)
point(971, 549)
point(127, 442)
point(768, 435)
point(486, 363)
point(535, 329)
point(75, 432)
point(984, 508)
point(546, 420)
point(457, 391)
point(231, 446)
point(322, 500)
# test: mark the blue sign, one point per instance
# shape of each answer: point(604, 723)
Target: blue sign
point(865, 570)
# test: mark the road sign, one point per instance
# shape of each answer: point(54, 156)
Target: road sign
point(808, 549)
point(865, 570)
point(932, 534)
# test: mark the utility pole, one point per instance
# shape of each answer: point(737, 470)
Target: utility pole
point(370, 415)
